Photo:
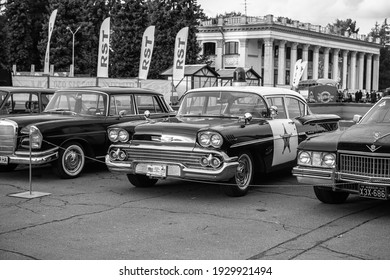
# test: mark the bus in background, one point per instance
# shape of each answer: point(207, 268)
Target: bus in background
point(319, 90)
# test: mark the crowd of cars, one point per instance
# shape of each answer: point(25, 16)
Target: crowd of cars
point(226, 134)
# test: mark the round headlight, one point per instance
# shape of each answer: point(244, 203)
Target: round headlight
point(329, 160)
point(204, 139)
point(123, 135)
point(216, 140)
point(113, 135)
point(304, 158)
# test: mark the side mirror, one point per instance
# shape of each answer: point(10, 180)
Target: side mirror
point(247, 117)
point(357, 118)
point(147, 114)
point(273, 111)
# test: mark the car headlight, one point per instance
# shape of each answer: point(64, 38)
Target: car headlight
point(304, 158)
point(35, 137)
point(209, 138)
point(317, 159)
point(113, 135)
point(329, 160)
point(123, 135)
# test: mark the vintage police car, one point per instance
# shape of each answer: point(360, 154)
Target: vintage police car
point(219, 134)
point(351, 161)
point(73, 127)
point(23, 100)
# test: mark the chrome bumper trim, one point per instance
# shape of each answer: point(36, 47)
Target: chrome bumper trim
point(37, 158)
point(223, 173)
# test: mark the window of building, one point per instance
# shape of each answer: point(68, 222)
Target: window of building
point(231, 48)
point(209, 49)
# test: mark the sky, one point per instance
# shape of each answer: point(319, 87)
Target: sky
point(365, 12)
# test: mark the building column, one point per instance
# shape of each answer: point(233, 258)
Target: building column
point(219, 55)
point(282, 63)
point(293, 59)
point(305, 57)
point(345, 68)
point(375, 76)
point(335, 70)
point(353, 71)
point(368, 72)
point(326, 63)
point(316, 59)
point(243, 52)
point(361, 71)
point(268, 62)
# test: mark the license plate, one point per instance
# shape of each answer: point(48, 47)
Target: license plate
point(377, 192)
point(156, 171)
point(3, 160)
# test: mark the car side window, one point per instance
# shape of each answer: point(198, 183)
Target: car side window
point(295, 107)
point(279, 103)
point(148, 102)
point(123, 104)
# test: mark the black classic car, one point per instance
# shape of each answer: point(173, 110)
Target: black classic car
point(351, 161)
point(219, 134)
point(23, 100)
point(73, 127)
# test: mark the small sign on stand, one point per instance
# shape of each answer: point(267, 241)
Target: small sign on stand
point(30, 194)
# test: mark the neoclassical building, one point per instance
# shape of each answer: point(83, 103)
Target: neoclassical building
point(272, 46)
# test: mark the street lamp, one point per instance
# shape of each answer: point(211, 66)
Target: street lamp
point(73, 33)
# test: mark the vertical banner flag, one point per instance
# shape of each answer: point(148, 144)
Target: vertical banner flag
point(298, 72)
point(47, 54)
point(180, 55)
point(104, 49)
point(146, 53)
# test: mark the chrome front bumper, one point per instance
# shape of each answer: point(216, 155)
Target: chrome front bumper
point(177, 170)
point(314, 176)
point(36, 158)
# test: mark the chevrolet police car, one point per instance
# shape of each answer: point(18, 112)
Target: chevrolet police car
point(220, 134)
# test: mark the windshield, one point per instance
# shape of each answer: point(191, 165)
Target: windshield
point(222, 103)
point(78, 102)
point(380, 113)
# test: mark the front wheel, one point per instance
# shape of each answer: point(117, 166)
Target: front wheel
point(328, 196)
point(141, 181)
point(243, 176)
point(71, 161)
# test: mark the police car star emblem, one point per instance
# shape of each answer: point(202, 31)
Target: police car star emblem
point(286, 138)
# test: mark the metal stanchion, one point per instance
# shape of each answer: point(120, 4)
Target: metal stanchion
point(30, 194)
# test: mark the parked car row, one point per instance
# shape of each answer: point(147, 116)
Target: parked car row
point(230, 134)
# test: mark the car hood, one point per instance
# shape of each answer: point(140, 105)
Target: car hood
point(322, 142)
point(366, 138)
point(180, 129)
point(26, 120)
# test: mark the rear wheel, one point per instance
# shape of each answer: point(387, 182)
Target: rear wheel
point(243, 177)
point(71, 161)
point(328, 196)
point(141, 181)
point(8, 168)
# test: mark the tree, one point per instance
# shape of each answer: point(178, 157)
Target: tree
point(24, 24)
point(342, 26)
point(128, 23)
point(169, 17)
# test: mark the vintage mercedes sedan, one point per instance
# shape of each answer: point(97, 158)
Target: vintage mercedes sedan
point(23, 100)
point(73, 127)
point(224, 134)
point(351, 161)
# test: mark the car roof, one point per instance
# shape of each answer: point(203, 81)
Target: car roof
point(28, 89)
point(263, 91)
point(113, 90)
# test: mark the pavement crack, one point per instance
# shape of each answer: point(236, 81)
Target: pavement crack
point(18, 253)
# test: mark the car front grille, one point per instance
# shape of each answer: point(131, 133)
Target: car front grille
point(356, 166)
point(8, 135)
point(189, 159)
